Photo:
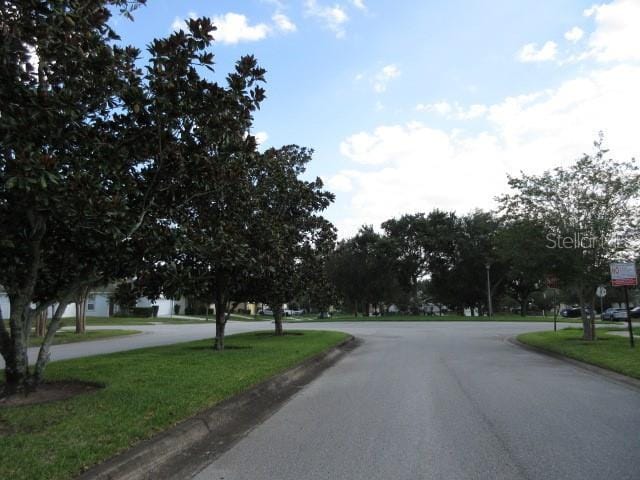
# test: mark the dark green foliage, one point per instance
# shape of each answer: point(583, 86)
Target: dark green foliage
point(589, 213)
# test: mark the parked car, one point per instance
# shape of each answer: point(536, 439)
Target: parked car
point(288, 312)
point(265, 311)
point(635, 312)
point(573, 312)
point(611, 314)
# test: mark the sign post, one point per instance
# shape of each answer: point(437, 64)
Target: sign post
point(601, 291)
point(552, 282)
point(625, 275)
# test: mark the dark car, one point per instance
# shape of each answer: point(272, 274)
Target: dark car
point(635, 312)
point(573, 312)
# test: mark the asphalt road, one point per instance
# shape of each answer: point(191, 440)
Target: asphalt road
point(447, 401)
point(151, 336)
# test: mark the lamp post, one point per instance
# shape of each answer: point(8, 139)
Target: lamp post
point(488, 266)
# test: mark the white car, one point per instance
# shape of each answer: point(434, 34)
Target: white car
point(614, 314)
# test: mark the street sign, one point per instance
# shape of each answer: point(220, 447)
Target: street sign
point(624, 275)
point(552, 281)
point(601, 291)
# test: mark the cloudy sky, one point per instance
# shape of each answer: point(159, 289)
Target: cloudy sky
point(420, 104)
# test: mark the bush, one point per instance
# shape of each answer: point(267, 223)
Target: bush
point(176, 309)
point(142, 312)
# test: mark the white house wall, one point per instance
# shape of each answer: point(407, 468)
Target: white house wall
point(4, 305)
point(165, 306)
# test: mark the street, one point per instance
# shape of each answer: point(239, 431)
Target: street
point(427, 400)
point(445, 401)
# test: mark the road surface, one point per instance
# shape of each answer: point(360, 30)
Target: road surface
point(151, 336)
point(445, 401)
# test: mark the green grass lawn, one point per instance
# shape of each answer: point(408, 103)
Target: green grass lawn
point(147, 390)
point(609, 351)
point(106, 321)
point(72, 337)
point(239, 317)
point(437, 318)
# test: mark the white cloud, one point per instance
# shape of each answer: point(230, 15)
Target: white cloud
point(412, 167)
point(531, 53)
point(181, 24)
point(234, 28)
point(445, 109)
point(574, 35)
point(283, 23)
point(359, 4)
point(334, 17)
point(617, 33)
point(384, 76)
point(261, 137)
point(339, 183)
point(474, 111)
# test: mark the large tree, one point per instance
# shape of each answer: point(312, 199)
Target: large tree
point(71, 199)
point(94, 155)
point(365, 270)
point(286, 226)
point(521, 245)
point(590, 213)
point(211, 205)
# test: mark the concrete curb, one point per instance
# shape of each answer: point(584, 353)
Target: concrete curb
point(191, 445)
point(615, 376)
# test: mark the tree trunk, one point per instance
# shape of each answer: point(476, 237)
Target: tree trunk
point(277, 316)
point(14, 347)
point(41, 323)
point(523, 308)
point(592, 318)
point(81, 310)
point(587, 330)
point(43, 354)
point(221, 322)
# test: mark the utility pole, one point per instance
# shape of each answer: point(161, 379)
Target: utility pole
point(489, 305)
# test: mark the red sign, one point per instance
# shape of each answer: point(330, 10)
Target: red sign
point(624, 275)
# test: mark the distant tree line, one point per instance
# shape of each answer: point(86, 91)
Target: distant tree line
point(560, 229)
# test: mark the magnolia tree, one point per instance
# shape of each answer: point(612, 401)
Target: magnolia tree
point(95, 153)
point(66, 171)
point(210, 205)
point(589, 211)
point(287, 227)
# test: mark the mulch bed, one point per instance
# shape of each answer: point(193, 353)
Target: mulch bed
point(49, 392)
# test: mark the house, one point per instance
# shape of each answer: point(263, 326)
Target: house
point(100, 304)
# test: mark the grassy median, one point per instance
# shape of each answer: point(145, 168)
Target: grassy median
point(146, 391)
point(432, 318)
point(108, 321)
point(608, 351)
point(63, 336)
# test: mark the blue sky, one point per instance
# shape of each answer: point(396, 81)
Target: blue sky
point(421, 104)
